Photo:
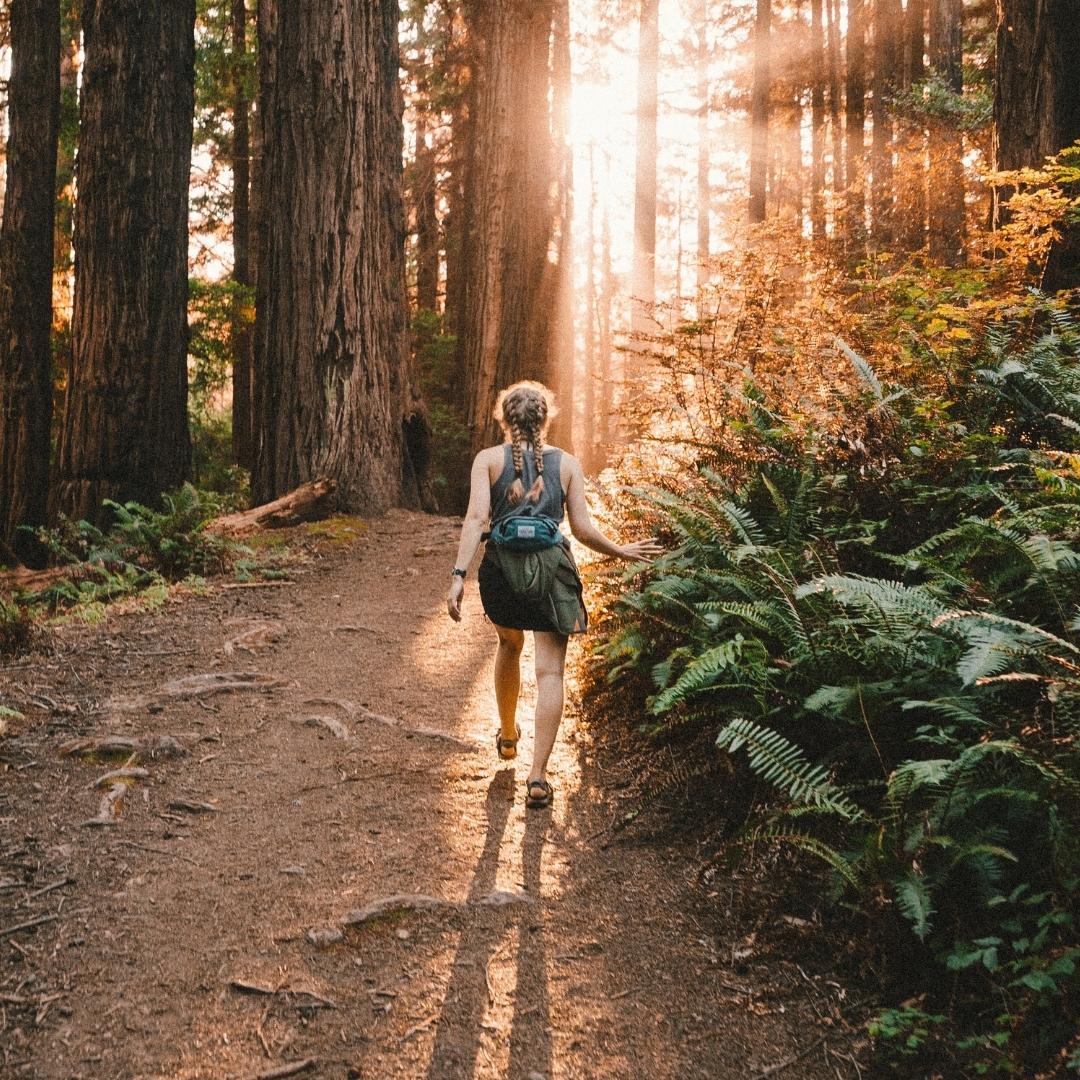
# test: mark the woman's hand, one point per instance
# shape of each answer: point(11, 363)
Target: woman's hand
point(642, 550)
point(453, 598)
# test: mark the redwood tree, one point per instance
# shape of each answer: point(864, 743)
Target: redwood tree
point(759, 110)
point(514, 246)
point(1037, 102)
point(643, 283)
point(335, 393)
point(26, 263)
point(125, 433)
point(946, 205)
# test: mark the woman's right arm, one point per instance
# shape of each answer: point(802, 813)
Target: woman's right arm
point(476, 521)
point(581, 524)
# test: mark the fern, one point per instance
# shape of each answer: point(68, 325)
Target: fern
point(782, 764)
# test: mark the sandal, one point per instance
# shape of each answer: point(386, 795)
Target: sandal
point(507, 748)
point(538, 802)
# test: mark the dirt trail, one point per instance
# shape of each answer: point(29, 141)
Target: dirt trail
point(180, 942)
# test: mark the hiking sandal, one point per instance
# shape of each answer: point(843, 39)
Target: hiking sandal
point(507, 748)
point(538, 802)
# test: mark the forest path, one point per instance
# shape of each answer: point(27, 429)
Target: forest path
point(181, 948)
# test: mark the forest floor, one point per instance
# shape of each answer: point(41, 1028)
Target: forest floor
point(208, 920)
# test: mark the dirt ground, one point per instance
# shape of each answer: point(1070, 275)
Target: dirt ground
point(206, 917)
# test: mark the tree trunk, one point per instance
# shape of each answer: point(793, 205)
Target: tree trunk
point(331, 334)
point(887, 17)
point(643, 283)
point(125, 433)
point(564, 358)
point(836, 103)
point(427, 220)
point(855, 120)
point(515, 207)
point(1037, 104)
point(607, 302)
point(946, 217)
point(911, 181)
point(704, 187)
point(759, 110)
point(590, 420)
point(242, 415)
point(817, 121)
point(26, 264)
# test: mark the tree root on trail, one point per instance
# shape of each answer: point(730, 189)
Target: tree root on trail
point(109, 810)
point(362, 712)
point(191, 687)
point(126, 773)
point(405, 902)
point(291, 1068)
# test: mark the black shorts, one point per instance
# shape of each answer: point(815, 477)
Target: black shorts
point(503, 607)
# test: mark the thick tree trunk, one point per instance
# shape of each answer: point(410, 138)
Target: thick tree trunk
point(911, 179)
point(1037, 104)
point(817, 120)
point(331, 328)
point(887, 40)
point(855, 120)
point(608, 399)
point(759, 110)
point(125, 433)
point(515, 195)
point(704, 186)
point(242, 414)
point(946, 211)
point(643, 282)
point(26, 265)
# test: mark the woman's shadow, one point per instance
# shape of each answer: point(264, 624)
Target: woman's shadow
point(467, 998)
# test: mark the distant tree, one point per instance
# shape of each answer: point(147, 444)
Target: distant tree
point(911, 178)
point(643, 280)
point(887, 56)
point(759, 110)
point(818, 79)
point(125, 433)
point(854, 123)
point(946, 207)
point(26, 266)
point(336, 396)
point(704, 186)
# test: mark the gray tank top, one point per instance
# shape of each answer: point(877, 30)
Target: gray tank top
point(550, 503)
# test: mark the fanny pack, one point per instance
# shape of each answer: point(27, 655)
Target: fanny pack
point(522, 533)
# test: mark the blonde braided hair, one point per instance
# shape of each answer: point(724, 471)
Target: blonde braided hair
point(524, 411)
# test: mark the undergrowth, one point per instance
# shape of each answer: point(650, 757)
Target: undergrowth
point(876, 614)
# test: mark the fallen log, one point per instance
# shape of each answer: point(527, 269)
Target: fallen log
point(308, 502)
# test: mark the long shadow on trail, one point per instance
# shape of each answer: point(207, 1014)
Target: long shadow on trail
point(468, 995)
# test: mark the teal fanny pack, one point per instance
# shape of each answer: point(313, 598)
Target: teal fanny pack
point(522, 533)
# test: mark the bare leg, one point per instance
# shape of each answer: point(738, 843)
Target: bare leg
point(508, 677)
point(550, 661)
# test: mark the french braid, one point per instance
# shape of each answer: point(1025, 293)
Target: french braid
point(524, 410)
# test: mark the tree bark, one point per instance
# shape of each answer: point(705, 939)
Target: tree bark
point(331, 322)
point(643, 283)
point(513, 246)
point(125, 433)
point(759, 110)
point(26, 265)
point(1037, 105)
point(854, 121)
point(243, 439)
point(427, 220)
point(65, 161)
point(946, 210)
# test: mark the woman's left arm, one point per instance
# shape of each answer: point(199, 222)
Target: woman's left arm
point(476, 520)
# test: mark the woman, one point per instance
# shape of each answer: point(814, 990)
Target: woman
point(523, 478)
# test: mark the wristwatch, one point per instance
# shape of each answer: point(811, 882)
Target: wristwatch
point(457, 573)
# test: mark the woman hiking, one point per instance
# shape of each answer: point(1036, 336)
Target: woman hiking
point(528, 578)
